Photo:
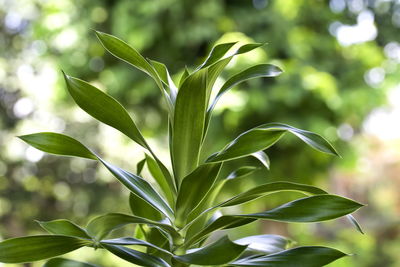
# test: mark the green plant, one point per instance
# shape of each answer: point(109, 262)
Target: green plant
point(175, 217)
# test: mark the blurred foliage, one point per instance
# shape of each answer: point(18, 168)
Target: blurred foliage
point(341, 61)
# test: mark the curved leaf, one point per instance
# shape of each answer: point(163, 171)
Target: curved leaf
point(190, 108)
point(264, 136)
point(101, 226)
point(60, 262)
point(216, 53)
point(218, 253)
point(301, 256)
point(104, 108)
point(242, 172)
point(262, 157)
point(64, 227)
point(65, 145)
point(163, 73)
point(136, 257)
point(193, 189)
point(257, 71)
point(59, 144)
point(141, 208)
point(270, 188)
point(310, 209)
point(34, 248)
point(265, 244)
point(129, 241)
point(185, 74)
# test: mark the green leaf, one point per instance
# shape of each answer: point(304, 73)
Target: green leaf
point(136, 257)
point(123, 51)
point(60, 262)
point(64, 227)
point(158, 175)
point(216, 53)
point(101, 226)
point(65, 145)
point(140, 187)
point(257, 71)
point(139, 166)
point(310, 209)
point(59, 144)
point(301, 256)
point(270, 188)
point(163, 73)
point(129, 241)
point(104, 108)
point(355, 223)
point(34, 248)
point(242, 172)
point(185, 74)
point(193, 189)
point(141, 208)
point(190, 108)
point(218, 253)
point(264, 136)
point(265, 244)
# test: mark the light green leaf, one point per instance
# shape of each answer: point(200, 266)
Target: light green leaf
point(64, 227)
point(218, 253)
point(265, 244)
point(185, 74)
point(142, 208)
point(310, 209)
point(34, 248)
point(216, 53)
point(59, 144)
point(101, 226)
point(104, 108)
point(60, 262)
point(163, 73)
point(190, 108)
point(301, 257)
point(264, 136)
point(193, 189)
point(242, 172)
point(136, 257)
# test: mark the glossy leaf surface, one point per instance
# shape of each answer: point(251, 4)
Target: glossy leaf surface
point(264, 136)
point(34, 248)
point(188, 127)
point(218, 253)
point(265, 244)
point(136, 257)
point(64, 227)
point(301, 257)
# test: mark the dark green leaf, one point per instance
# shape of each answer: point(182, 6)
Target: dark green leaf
point(218, 253)
point(136, 257)
point(190, 108)
point(64, 227)
point(103, 108)
point(301, 257)
point(60, 262)
point(241, 172)
point(101, 226)
point(34, 248)
point(58, 144)
point(264, 136)
point(193, 189)
point(129, 241)
point(139, 166)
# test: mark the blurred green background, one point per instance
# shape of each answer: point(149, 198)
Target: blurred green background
point(341, 62)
